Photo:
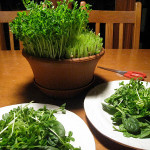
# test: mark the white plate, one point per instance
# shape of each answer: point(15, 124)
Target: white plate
point(81, 133)
point(101, 120)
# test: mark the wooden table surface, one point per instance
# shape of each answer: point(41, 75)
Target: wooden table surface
point(16, 83)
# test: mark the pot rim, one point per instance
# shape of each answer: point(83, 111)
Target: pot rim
point(74, 60)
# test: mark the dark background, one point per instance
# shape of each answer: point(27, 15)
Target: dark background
point(100, 5)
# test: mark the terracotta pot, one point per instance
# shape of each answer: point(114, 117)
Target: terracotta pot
point(63, 78)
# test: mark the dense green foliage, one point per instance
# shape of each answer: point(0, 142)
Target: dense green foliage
point(26, 128)
point(55, 32)
point(130, 107)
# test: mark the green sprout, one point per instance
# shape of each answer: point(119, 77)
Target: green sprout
point(55, 33)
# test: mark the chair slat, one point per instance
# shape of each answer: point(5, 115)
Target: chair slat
point(109, 35)
point(11, 40)
point(136, 29)
point(97, 27)
point(120, 36)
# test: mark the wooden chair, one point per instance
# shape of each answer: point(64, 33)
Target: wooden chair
point(109, 18)
point(5, 18)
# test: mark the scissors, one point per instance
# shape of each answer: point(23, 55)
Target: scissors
point(128, 74)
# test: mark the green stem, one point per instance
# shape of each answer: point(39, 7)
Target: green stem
point(61, 46)
point(13, 126)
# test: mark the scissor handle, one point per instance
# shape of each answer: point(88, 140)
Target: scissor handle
point(134, 74)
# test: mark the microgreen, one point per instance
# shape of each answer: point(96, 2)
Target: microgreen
point(26, 128)
point(130, 109)
point(55, 33)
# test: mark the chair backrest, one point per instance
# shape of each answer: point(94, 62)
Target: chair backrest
point(109, 18)
point(5, 18)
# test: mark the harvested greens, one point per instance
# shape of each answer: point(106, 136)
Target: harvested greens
point(26, 128)
point(130, 107)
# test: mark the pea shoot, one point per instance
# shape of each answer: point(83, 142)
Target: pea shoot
point(26, 128)
point(56, 33)
point(130, 109)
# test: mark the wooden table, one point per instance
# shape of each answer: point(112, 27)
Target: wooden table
point(16, 83)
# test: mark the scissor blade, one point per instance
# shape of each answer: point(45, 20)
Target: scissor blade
point(113, 70)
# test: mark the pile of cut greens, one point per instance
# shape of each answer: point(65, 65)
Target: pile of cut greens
point(26, 128)
point(130, 107)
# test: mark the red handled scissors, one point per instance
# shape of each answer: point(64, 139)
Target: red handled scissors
point(128, 74)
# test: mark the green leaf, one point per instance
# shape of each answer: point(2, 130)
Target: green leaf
point(108, 108)
point(131, 124)
point(57, 127)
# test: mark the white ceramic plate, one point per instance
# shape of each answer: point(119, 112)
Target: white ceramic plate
point(71, 122)
point(101, 120)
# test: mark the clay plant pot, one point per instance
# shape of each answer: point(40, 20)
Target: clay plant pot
point(63, 78)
